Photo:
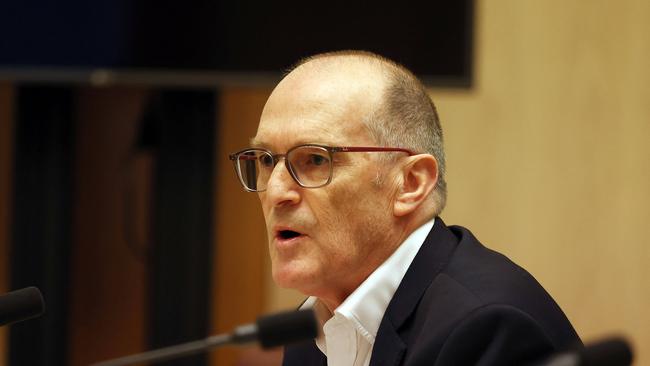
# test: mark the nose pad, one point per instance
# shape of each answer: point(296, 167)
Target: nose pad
point(281, 187)
point(281, 175)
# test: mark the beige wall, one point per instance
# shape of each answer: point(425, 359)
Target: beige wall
point(548, 155)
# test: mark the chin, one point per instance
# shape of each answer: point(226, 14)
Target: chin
point(292, 278)
point(286, 278)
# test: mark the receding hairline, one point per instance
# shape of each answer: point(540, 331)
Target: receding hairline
point(348, 57)
point(368, 76)
point(390, 73)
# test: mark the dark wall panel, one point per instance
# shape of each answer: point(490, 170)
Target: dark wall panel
point(182, 248)
point(41, 222)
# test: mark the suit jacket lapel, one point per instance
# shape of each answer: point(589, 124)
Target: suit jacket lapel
point(388, 349)
point(390, 346)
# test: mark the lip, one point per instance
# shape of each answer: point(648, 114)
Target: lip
point(287, 243)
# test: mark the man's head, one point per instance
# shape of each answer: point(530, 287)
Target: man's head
point(325, 241)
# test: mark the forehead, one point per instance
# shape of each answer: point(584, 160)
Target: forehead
point(285, 133)
point(323, 108)
point(317, 124)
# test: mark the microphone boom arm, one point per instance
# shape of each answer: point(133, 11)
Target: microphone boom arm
point(167, 353)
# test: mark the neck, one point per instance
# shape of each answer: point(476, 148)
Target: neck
point(337, 294)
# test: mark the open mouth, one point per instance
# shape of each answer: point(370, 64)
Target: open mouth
point(288, 234)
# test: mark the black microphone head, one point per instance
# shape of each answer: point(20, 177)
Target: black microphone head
point(610, 352)
point(288, 327)
point(21, 305)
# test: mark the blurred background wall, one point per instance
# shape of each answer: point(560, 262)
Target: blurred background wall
point(548, 162)
point(549, 156)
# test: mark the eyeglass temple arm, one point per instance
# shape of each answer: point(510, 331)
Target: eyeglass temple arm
point(372, 149)
point(242, 157)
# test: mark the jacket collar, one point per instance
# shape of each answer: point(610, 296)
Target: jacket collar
point(389, 347)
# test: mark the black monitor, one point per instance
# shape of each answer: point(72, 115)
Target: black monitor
point(433, 38)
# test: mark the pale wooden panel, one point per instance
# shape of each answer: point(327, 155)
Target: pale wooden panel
point(6, 178)
point(240, 264)
point(549, 155)
point(108, 280)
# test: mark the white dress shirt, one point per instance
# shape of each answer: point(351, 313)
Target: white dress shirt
point(349, 333)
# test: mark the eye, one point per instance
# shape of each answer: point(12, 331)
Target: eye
point(266, 160)
point(317, 160)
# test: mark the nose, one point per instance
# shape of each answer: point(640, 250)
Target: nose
point(281, 189)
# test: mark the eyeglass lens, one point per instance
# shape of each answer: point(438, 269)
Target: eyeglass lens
point(309, 165)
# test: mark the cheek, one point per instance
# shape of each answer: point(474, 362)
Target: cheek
point(343, 222)
point(354, 205)
point(361, 217)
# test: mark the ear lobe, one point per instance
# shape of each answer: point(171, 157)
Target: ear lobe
point(419, 180)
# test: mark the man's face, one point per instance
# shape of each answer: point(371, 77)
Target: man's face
point(343, 226)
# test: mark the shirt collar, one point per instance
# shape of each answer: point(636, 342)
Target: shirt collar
point(366, 306)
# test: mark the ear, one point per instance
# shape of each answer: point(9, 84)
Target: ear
point(419, 178)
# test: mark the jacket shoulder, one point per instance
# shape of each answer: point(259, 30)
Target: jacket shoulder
point(492, 278)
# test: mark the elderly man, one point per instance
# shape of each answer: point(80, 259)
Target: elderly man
point(349, 167)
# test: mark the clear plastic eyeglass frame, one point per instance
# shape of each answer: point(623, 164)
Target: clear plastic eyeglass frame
point(241, 158)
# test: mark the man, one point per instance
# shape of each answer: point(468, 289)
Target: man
point(349, 167)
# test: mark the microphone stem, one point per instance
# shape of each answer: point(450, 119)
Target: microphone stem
point(163, 354)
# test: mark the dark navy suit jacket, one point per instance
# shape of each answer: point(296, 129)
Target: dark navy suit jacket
point(461, 304)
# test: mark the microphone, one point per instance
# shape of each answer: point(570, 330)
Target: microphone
point(270, 331)
point(608, 352)
point(19, 305)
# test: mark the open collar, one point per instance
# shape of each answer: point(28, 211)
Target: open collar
point(433, 255)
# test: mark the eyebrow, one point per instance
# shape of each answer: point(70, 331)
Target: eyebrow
point(254, 142)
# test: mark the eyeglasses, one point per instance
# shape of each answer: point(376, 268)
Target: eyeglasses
point(309, 165)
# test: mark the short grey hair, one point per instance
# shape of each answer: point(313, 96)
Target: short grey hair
point(406, 117)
